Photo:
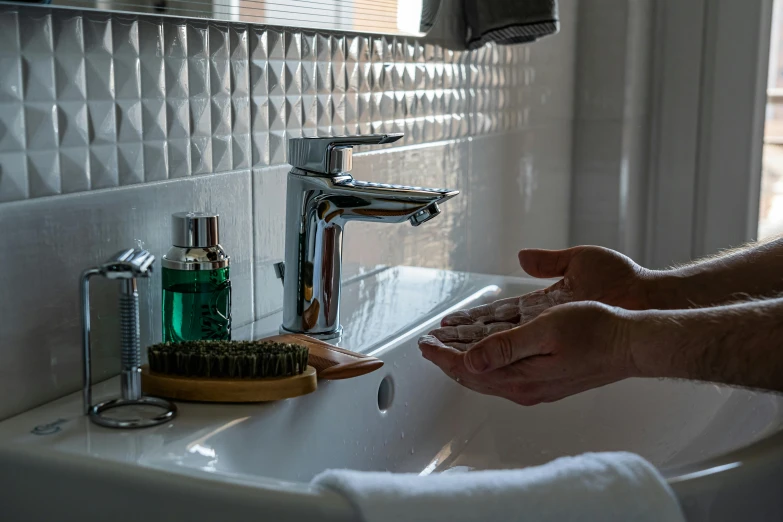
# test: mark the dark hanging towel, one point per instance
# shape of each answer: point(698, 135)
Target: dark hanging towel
point(507, 22)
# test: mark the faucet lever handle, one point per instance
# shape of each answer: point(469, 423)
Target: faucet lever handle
point(330, 156)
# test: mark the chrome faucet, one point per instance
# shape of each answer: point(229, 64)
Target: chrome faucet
point(322, 197)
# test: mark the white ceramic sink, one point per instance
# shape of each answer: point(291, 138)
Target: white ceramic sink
point(720, 447)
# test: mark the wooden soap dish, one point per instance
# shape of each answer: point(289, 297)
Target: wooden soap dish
point(202, 389)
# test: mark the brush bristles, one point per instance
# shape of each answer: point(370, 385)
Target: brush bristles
point(228, 359)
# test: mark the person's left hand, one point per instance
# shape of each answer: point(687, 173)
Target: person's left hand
point(566, 350)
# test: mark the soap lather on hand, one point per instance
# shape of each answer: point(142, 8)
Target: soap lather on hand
point(463, 329)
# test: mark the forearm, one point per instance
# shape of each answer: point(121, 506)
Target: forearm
point(739, 344)
point(755, 270)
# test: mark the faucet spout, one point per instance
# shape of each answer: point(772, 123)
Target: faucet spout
point(351, 200)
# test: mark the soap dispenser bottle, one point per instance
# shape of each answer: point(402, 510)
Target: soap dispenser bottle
point(196, 284)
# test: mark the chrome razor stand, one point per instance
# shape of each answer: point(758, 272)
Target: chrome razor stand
point(126, 266)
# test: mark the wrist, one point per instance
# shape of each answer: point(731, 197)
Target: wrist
point(657, 342)
point(622, 342)
point(674, 289)
point(660, 289)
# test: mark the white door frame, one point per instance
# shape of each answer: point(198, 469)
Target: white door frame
point(709, 92)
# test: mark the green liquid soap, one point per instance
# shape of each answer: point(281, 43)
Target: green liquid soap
point(196, 305)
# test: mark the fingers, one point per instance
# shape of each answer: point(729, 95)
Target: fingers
point(504, 348)
point(462, 333)
point(468, 334)
point(527, 382)
point(482, 313)
point(514, 310)
point(450, 360)
point(546, 263)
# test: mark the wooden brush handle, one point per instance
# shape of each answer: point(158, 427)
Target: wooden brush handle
point(331, 362)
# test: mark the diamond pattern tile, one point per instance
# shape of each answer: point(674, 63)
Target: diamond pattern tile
point(200, 117)
point(130, 163)
point(43, 171)
point(35, 32)
point(104, 170)
point(179, 158)
point(38, 77)
point(97, 34)
point(69, 74)
point(201, 155)
point(99, 100)
point(102, 122)
point(73, 124)
point(155, 161)
point(99, 76)
point(41, 126)
point(13, 176)
point(240, 116)
point(74, 177)
point(12, 135)
point(241, 153)
point(155, 113)
point(129, 120)
point(10, 77)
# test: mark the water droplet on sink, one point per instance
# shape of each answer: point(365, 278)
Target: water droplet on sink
point(402, 434)
point(412, 452)
point(395, 364)
point(406, 404)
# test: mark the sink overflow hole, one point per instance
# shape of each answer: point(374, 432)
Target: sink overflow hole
point(385, 393)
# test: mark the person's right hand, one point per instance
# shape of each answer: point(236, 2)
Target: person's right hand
point(566, 350)
point(589, 273)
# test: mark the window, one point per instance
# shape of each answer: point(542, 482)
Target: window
point(771, 203)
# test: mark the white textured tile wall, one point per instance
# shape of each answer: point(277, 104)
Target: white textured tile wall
point(91, 100)
point(109, 123)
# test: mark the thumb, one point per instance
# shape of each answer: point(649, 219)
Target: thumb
point(502, 349)
point(547, 263)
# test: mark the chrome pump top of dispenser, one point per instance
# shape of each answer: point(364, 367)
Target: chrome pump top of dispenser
point(195, 237)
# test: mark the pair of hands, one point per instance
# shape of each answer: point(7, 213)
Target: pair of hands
point(549, 344)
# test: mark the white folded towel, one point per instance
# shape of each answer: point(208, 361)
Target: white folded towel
point(603, 487)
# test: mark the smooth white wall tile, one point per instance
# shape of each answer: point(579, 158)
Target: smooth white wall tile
point(269, 193)
point(528, 206)
point(611, 128)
